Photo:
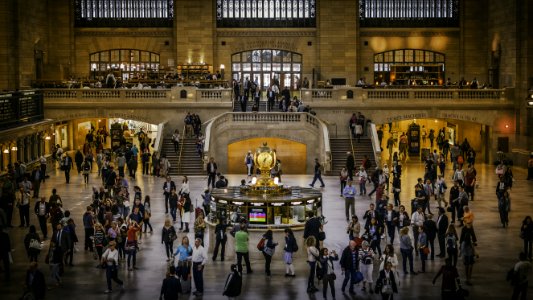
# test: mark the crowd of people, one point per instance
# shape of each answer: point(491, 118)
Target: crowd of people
point(114, 227)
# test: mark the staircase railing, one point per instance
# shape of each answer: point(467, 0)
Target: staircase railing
point(373, 133)
point(158, 143)
point(182, 143)
point(351, 140)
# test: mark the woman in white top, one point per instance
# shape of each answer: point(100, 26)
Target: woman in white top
point(363, 177)
point(389, 256)
point(312, 255)
point(110, 260)
point(184, 186)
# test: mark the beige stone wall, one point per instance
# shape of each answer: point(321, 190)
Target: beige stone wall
point(194, 26)
point(337, 39)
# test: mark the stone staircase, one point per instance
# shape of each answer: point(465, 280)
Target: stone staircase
point(191, 163)
point(262, 106)
point(339, 147)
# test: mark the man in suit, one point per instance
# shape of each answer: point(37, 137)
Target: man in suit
point(391, 217)
point(442, 227)
point(211, 172)
point(312, 228)
point(42, 210)
point(431, 232)
point(62, 240)
point(168, 186)
point(369, 214)
point(271, 96)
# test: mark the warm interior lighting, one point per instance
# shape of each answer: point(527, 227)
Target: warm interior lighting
point(14, 148)
point(47, 137)
point(222, 66)
point(6, 151)
point(506, 125)
point(254, 180)
point(276, 180)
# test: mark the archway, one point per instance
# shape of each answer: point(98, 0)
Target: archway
point(293, 155)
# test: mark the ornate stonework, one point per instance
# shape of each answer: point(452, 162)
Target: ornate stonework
point(264, 33)
point(111, 33)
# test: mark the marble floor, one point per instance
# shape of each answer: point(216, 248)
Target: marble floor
point(498, 247)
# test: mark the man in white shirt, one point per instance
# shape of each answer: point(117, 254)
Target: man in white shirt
point(417, 219)
point(199, 259)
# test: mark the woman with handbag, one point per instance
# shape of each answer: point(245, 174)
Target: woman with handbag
point(312, 257)
point(402, 218)
point(199, 227)
point(99, 240)
point(110, 261)
point(451, 239)
point(406, 248)
point(423, 248)
point(184, 255)
point(32, 243)
point(268, 251)
point(386, 283)
point(389, 257)
point(328, 271)
point(366, 256)
point(354, 228)
point(147, 214)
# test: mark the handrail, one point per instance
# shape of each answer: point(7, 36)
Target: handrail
point(375, 144)
point(351, 140)
point(182, 142)
point(159, 137)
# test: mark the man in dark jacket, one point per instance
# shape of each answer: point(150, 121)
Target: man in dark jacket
point(5, 253)
point(431, 232)
point(349, 265)
point(442, 227)
point(42, 210)
point(350, 165)
point(78, 158)
point(312, 228)
point(171, 286)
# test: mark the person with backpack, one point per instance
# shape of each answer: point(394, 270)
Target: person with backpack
point(267, 247)
point(86, 170)
point(290, 247)
point(233, 285)
point(450, 280)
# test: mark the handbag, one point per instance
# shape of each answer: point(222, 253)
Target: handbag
point(34, 244)
point(387, 289)
point(321, 236)
point(358, 277)
point(333, 276)
point(269, 251)
point(425, 250)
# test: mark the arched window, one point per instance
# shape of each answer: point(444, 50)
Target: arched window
point(409, 13)
point(124, 13)
point(266, 13)
point(267, 67)
point(409, 67)
point(125, 63)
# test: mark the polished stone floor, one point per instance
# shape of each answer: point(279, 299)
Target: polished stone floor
point(498, 247)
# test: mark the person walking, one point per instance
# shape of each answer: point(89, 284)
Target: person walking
point(318, 174)
point(268, 251)
point(176, 140)
point(350, 165)
point(343, 177)
point(290, 247)
point(35, 282)
point(220, 239)
point(526, 233)
point(88, 225)
point(42, 210)
point(442, 227)
point(32, 244)
point(168, 236)
point(168, 186)
point(450, 280)
point(422, 247)
point(366, 255)
point(350, 266)
point(430, 227)
point(171, 288)
point(328, 271)
point(199, 259)
point(66, 166)
point(132, 245)
point(406, 249)
point(86, 170)
point(521, 271)
point(211, 172)
point(349, 199)
point(110, 260)
point(387, 283)
point(468, 241)
point(354, 228)
point(312, 258)
point(241, 248)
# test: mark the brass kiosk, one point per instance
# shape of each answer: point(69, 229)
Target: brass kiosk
point(266, 204)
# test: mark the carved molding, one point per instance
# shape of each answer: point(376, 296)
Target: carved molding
point(393, 33)
point(261, 33)
point(158, 33)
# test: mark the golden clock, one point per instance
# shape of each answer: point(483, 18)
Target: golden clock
point(265, 158)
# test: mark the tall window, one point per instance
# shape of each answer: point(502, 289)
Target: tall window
point(126, 64)
point(267, 67)
point(409, 13)
point(266, 13)
point(124, 13)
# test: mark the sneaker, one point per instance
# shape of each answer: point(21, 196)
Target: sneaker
point(108, 291)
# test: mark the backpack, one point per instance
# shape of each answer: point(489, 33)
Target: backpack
point(451, 241)
point(261, 244)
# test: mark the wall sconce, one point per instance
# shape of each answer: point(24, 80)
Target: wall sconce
point(47, 137)
point(14, 148)
point(6, 151)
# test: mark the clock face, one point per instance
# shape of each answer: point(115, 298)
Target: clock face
point(264, 160)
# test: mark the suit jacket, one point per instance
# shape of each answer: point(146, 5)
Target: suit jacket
point(312, 228)
point(171, 288)
point(65, 240)
point(347, 262)
point(46, 210)
point(442, 224)
point(431, 229)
